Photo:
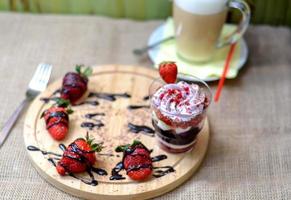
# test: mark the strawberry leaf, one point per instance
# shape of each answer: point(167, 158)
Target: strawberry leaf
point(89, 141)
point(42, 114)
point(94, 147)
point(62, 102)
point(78, 68)
point(87, 72)
point(122, 148)
point(97, 147)
point(87, 136)
point(135, 142)
point(69, 111)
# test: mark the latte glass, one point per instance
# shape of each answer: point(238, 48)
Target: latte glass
point(198, 25)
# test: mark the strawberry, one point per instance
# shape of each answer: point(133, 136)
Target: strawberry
point(136, 160)
point(168, 71)
point(163, 118)
point(75, 84)
point(78, 157)
point(57, 119)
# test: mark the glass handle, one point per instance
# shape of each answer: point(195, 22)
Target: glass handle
point(242, 27)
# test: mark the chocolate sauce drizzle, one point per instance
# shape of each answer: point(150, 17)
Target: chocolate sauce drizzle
point(108, 154)
point(99, 171)
point(58, 114)
point(159, 158)
point(34, 148)
point(91, 125)
point(62, 118)
point(115, 172)
point(48, 99)
point(158, 171)
point(134, 107)
point(57, 91)
point(109, 96)
point(138, 167)
point(92, 181)
point(146, 98)
point(80, 158)
point(92, 103)
point(141, 128)
point(52, 161)
point(91, 115)
point(53, 98)
point(62, 147)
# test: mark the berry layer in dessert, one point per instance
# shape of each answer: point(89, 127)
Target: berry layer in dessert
point(179, 110)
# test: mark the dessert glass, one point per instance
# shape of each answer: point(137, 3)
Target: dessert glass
point(179, 111)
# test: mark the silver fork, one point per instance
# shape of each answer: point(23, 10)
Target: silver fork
point(141, 51)
point(37, 84)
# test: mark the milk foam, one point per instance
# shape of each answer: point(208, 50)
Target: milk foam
point(202, 7)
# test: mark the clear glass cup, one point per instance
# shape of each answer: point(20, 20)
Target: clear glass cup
point(176, 132)
point(198, 26)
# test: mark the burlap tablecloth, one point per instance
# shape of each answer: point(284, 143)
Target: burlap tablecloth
point(249, 155)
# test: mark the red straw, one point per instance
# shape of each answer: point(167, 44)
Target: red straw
point(225, 70)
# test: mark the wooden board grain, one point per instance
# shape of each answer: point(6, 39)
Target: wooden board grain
point(111, 79)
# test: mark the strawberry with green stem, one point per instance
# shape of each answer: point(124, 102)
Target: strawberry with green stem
point(57, 119)
point(75, 84)
point(136, 160)
point(79, 156)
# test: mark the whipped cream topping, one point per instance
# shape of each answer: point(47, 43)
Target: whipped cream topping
point(179, 101)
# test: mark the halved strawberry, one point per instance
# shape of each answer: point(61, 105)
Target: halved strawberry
point(78, 157)
point(163, 118)
point(136, 160)
point(168, 71)
point(75, 84)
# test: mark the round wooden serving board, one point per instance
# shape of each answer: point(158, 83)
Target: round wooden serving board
point(110, 79)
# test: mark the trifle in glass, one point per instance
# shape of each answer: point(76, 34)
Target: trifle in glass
point(179, 111)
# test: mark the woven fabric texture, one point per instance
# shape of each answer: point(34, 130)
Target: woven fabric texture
point(249, 156)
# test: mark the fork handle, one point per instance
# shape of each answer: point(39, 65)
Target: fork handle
point(11, 121)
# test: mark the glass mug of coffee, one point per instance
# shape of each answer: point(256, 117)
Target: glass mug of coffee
point(198, 24)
